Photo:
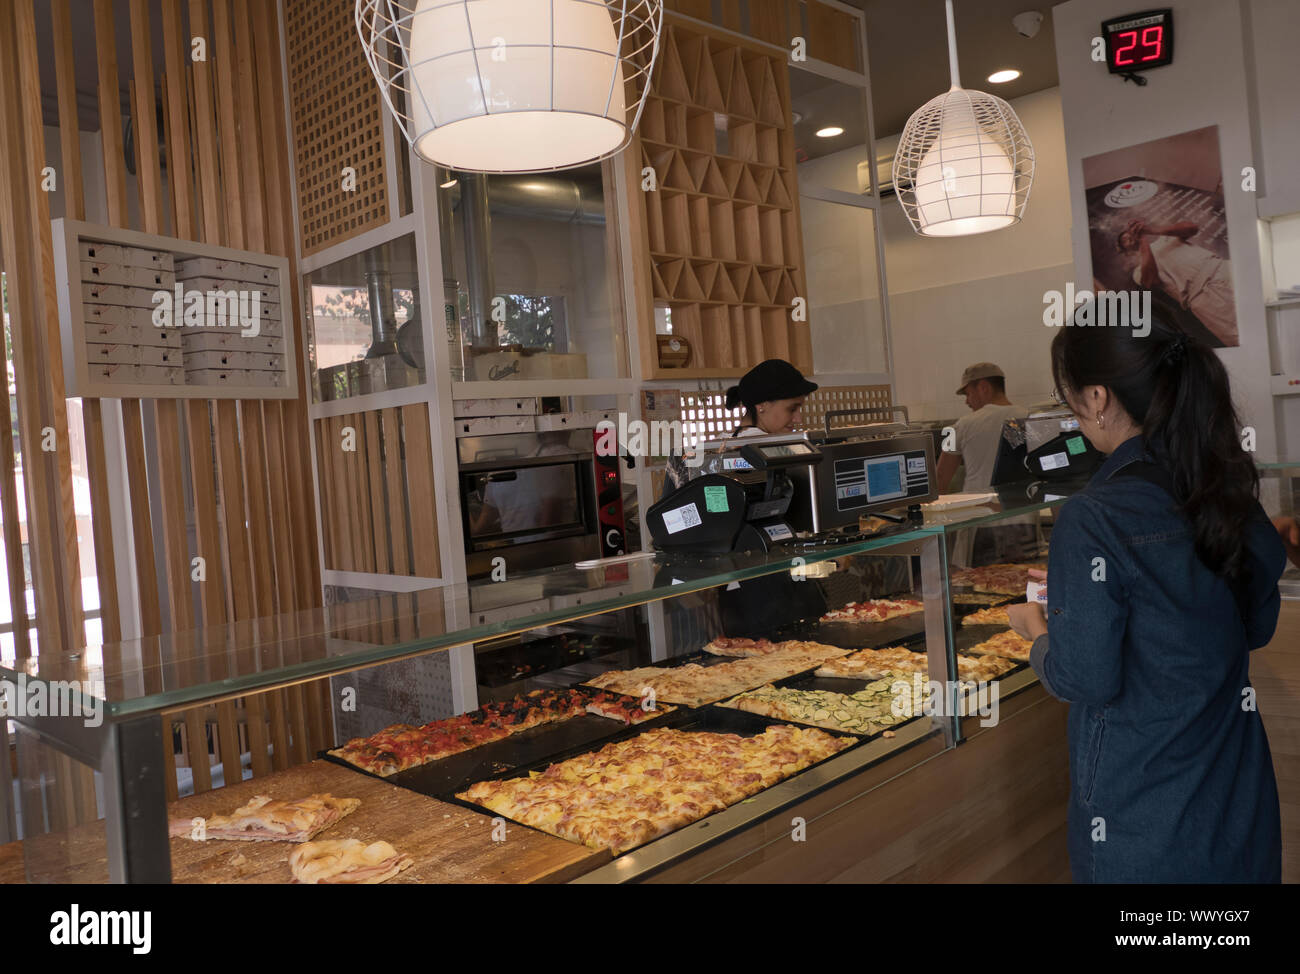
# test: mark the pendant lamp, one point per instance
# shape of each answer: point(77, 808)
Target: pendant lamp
point(512, 85)
point(964, 164)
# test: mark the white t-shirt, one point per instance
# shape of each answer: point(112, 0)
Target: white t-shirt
point(977, 442)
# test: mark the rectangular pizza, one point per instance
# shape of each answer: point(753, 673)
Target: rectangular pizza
point(875, 610)
point(636, 790)
point(694, 686)
point(1002, 579)
point(868, 711)
point(402, 746)
point(876, 664)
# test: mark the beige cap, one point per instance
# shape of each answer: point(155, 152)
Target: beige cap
point(980, 370)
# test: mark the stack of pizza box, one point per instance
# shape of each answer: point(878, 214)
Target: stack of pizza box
point(221, 351)
point(123, 344)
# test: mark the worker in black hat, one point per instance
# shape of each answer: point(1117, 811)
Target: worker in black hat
point(773, 393)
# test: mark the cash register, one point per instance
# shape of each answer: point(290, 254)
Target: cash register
point(799, 490)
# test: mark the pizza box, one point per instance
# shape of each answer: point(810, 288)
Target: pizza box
point(266, 293)
point(718, 720)
point(112, 354)
point(107, 272)
point(226, 340)
point(95, 314)
point(137, 374)
point(241, 378)
point(233, 358)
point(159, 355)
point(583, 419)
point(113, 333)
point(160, 337)
point(537, 746)
point(230, 270)
point(487, 425)
point(119, 294)
point(494, 407)
point(93, 250)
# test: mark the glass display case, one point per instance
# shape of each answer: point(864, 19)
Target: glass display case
point(807, 667)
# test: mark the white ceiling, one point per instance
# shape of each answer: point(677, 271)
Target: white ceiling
point(907, 43)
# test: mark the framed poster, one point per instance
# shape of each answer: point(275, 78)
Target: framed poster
point(1156, 221)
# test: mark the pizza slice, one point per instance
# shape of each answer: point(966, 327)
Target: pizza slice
point(725, 646)
point(619, 706)
point(875, 610)
point(1009, 644)
point(995, 615)
point(348, 861)
point(265, 819)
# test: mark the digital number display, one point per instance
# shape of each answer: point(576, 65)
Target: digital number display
point(779, 451)
point(1136, 42)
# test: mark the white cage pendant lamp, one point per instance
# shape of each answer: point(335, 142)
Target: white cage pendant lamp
point(964, 164)
point(513, 85)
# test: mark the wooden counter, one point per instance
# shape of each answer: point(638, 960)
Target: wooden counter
point(990, 810)
point(449, 844)
point(1275, 674)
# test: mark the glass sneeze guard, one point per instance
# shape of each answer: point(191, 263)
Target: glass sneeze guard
point(169, 672)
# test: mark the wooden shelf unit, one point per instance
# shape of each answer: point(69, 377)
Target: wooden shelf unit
point(722, 237)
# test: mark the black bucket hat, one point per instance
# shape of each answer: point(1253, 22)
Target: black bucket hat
point(774, 379)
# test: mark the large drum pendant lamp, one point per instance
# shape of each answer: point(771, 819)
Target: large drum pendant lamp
point(964, 163)
point(512, 85)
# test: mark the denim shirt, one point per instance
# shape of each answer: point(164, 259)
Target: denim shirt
point(1170, 772)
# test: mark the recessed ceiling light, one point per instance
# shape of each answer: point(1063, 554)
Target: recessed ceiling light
point(829, 132)
point(1002, 77)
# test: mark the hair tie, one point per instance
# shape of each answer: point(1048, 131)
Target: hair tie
point(1175, 350)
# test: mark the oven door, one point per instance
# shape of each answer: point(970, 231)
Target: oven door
point(526, 502)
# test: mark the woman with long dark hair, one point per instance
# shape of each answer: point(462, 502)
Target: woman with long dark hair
point(1162, 577)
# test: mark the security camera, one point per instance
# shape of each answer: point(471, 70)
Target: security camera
point(1027, 23)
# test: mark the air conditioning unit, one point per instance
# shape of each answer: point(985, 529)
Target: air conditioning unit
point(884, 165)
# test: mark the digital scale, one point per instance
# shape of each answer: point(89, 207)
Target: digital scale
point(755, 492)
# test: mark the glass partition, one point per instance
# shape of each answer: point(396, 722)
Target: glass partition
point(365, 334)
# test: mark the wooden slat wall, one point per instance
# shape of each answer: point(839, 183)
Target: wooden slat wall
point(242, 468)
point(369, 523)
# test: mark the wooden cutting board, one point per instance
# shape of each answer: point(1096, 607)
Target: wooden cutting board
point(449, 844)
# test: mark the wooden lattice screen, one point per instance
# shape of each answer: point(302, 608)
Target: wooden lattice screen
point(338, 119)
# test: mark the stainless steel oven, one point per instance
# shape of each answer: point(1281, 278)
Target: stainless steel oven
point(531, 498)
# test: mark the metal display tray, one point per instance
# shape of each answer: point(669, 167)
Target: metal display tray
point(537, 745)
point(710, 719)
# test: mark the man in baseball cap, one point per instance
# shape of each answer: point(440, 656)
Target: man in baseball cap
point(985, 387)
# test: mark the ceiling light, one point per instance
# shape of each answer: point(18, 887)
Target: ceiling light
point(448, 184)
point(1002, 77)
point(512, 85)
point(964, 163)
point(829, 132)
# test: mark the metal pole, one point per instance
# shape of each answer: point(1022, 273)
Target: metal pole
point(952, 47)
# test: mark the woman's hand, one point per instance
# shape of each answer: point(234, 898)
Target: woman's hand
point(1027, 620)
point(1289, 529)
